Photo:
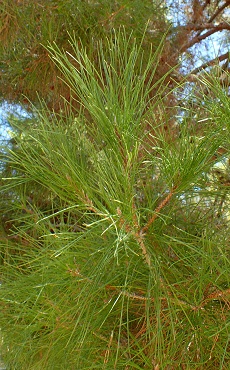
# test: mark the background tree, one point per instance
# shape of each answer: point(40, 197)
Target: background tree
point(28, 26)
point(115, 232)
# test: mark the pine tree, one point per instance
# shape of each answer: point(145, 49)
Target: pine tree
point(118, 250)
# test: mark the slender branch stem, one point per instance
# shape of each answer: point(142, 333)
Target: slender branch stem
point(140, 297)
point(218, 11)
point(137, 235)
point(204, 26)
point(210, 63)
point(199, 38)
point(157, 210)
point(140, 240)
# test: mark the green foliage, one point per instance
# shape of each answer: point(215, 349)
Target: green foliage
point(117, 258)
point(26, 26)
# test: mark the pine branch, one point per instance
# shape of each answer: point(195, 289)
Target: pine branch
point(204, 26)
point(199, 38)
point(157, 211)
point(210, 63)
point(218, 11)
point(137, 235)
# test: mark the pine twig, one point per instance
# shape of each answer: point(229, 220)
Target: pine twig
point(139, 234)
point(136, 234)
point(140, 240)
point(140, 297)
point(157, 211)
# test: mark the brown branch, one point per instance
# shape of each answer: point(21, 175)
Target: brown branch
point(136, 234)
point(139, 237)
point(139, 234)
point(207, 2)
point(140, 297)
point(199, 38)
point(204, 26)
point(157, 211)
point(218, 11)
point(210, 63)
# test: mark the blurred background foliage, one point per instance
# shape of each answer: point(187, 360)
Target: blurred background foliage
point(197, 32)
point(27, 26)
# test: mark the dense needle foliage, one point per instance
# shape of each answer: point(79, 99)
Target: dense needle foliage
point(118, 254)
point(28, 25)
